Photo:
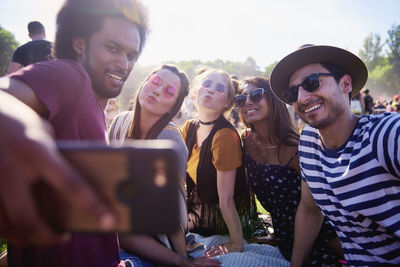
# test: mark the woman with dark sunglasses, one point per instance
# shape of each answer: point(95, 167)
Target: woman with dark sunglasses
point(158, 100)
point(270, 156)
point(218, 194)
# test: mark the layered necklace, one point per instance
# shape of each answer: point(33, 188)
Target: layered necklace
point(262, 147)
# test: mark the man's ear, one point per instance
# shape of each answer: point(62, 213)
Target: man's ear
point(79, 46)
point(345, 83)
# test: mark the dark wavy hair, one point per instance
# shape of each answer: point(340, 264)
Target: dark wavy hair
point(134, 130)
point(339, 73)
point(82, 18)
point(284, 132)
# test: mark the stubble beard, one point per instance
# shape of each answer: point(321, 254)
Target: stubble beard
point(98, 86)
point(335, 109)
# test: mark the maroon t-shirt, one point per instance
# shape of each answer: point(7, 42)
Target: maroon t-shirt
point(65, 88)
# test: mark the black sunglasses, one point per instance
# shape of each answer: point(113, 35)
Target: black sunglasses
point(255, 97)
point(311, 83)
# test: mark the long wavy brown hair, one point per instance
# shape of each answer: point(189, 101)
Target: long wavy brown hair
point(284, 132)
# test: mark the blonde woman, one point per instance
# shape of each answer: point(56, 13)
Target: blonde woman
point(215, 176)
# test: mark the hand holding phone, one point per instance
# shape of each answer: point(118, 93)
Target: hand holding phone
point(139, 183)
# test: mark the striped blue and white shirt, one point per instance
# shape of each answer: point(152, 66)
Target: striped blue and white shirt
point(357, 187)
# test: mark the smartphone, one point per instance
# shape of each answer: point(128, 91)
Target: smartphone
point(138, 181)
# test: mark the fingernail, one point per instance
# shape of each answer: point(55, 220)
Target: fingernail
point(107, 221)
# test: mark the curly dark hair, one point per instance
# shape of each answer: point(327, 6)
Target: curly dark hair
point(82, 18)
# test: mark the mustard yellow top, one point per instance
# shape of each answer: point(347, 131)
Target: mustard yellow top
point(226, 151)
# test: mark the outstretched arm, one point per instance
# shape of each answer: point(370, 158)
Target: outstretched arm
point(27, 153)
point(226, 186)
point(308, 223)
point(24, 93)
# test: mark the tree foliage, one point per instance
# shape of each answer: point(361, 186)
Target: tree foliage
point(269, 68)
point(371, 53)
point(383, 68)
point(394, 47)
point(240, 69)
point(7, 46)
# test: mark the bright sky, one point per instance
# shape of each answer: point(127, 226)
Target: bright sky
point(232, 30)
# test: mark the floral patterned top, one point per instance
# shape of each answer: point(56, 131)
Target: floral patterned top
point(277, 187)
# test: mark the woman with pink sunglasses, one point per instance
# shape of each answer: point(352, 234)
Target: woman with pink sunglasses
point(158, 100)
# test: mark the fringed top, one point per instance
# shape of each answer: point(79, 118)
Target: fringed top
point(203, 195)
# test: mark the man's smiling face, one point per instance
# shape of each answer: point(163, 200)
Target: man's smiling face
point(110, 56)
point(322, 107)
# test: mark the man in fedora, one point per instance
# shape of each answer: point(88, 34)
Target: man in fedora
point(350, 165)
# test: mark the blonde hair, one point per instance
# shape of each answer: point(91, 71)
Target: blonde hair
point(204, 72)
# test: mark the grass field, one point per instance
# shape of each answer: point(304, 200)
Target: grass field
point(3, 245)
point(260, 208)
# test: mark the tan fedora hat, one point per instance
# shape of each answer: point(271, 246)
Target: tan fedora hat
point(309, 54)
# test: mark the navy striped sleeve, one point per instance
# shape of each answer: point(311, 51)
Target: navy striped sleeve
point(385, 142)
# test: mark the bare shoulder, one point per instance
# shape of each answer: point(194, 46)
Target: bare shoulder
point(290, 156)
point(250, 148)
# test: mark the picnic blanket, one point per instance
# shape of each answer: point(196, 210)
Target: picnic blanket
point(253, 254)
